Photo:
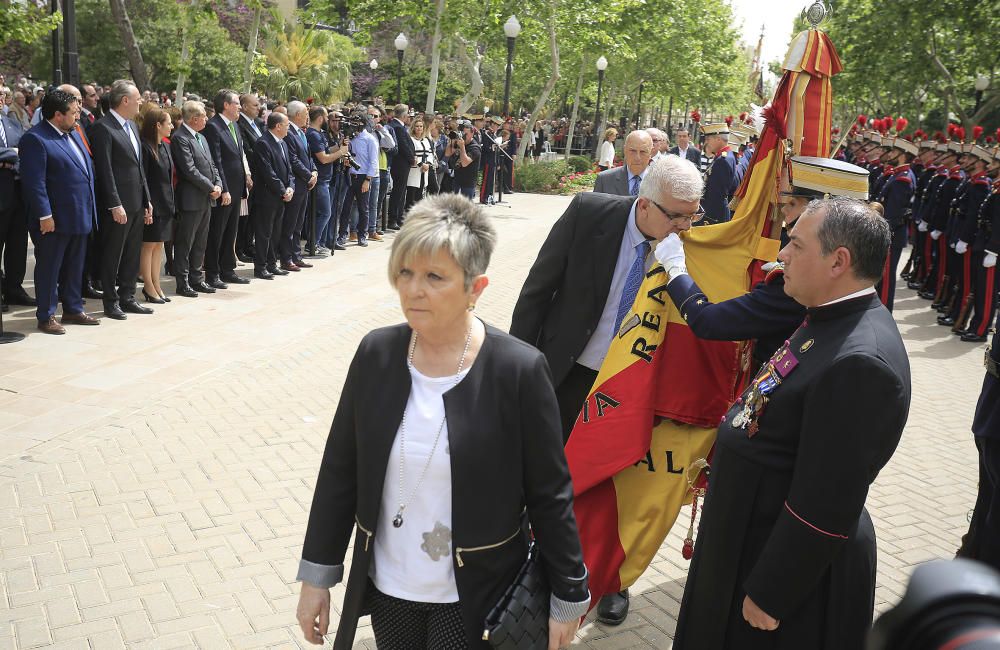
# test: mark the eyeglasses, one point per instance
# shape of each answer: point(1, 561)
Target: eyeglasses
point(693, 218)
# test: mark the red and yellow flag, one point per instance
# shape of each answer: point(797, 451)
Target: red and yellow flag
point(661, 392)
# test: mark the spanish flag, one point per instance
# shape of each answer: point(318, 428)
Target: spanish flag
point(661, 392)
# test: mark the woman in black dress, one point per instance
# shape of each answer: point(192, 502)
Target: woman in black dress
point(156, 160)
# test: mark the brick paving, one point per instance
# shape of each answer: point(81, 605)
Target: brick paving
point(156, 474)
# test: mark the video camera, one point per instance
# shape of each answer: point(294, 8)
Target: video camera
point(351, 125)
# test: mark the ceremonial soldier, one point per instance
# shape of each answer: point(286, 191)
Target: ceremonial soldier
point(720, 180)
point(924, 169)
point(786, 553)
point(961, 231)
point(895, 196)
point(928, 208)
point(944, 269)
point(488, 138)
point(985, 247)
point(766, 313)
point(982, 542)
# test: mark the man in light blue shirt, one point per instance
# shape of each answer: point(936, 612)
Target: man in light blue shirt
point(364, 150)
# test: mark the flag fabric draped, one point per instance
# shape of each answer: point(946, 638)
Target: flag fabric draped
point(661, 392)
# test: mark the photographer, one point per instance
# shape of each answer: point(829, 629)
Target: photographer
point(463, 157)
point(326, 155)
point(364, 148)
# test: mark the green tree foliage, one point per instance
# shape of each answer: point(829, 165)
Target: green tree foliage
point(25, 22)
point(305, 62)
point(899, 54)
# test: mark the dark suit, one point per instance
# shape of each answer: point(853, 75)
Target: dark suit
point(613, 181)
point(196, 178)
point(567, 287)
point(272, 172)
point(160, 179)
point(249, 137)
point(399, 168)
point(693, 154)
point(57, 182)
point(720, 184)
point(120, 181)
point(303, 165)
point(227, 154)
point(507, 456)
point(13, 225)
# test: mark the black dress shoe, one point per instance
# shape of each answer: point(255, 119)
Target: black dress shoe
point(132, 307)
point(274, 270)
point(217, 283)
point(613, 608)
point(201, 287)
point(339, 247)
point(112, 310)
point(184, 289)
point(19, 296)
point(946, 320)
point(156, 301)
point(232, 278)
point(972, 337)
point(243, 257)
point(4, 307)
point(913, 285)
point(263, 274)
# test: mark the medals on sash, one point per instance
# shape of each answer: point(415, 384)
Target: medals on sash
point(757, 395)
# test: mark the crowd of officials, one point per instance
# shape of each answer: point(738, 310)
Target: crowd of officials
point(197, 188)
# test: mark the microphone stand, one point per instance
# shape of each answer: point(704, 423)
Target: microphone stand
point(498, 170)
point(8, 337)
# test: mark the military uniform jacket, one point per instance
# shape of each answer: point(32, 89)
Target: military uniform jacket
point(930, 194)
point(986, 423)
point(784, 519)
point(988, 229)
point(923, 178)
point(896, 195)
point(942, 201)
point(967, 208)
point(719, 187)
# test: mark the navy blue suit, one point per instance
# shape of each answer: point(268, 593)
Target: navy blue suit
point(273, 175)
point(59, 183)
point(13, 225)
point(719, 187)
point(766, 313)
point(303, 165)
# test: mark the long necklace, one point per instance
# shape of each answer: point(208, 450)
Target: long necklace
point(397, 521)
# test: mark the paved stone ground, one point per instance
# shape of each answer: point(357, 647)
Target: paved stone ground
point(156, 474)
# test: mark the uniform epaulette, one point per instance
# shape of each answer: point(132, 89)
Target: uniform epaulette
point(905, 177)
point(777, 272)
point(723, 154)
point(983, 180)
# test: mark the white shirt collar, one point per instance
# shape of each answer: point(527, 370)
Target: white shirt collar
point(632, 232)
point(194, 133)
point(642, 176)
point(225, 119)
point(121, 120)
point(57, 129)
point(276, 138)
point(850, 296)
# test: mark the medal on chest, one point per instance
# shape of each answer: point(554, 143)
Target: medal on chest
point(755, 398)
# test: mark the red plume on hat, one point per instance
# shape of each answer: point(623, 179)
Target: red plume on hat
point(836, 130)
point(919, 135)
point(729, 120)
point(901, 124)
point(862, 120)
point(951, 129)
point(940, 137)
point(309, 101)
point(743, 116)
point(885, 125)
point(695, 116)
point(977, 132)
point(960, 133)
point(989, 139)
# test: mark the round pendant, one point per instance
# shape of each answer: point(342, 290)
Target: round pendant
point(397, 521)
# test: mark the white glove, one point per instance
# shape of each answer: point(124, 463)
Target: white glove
point(922, 226)
point(989, 260)
point(670, 253)
point(935, 234)
point(951, 245)
point(961, 247)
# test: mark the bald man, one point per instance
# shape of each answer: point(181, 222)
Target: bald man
point(625, 180)
point(661, 143)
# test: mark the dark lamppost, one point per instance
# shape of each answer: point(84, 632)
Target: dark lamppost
point(602, 65)
point(373, 64)
point(71, 62)
point(57, 76)
point(400, 44)
point(511, 28)
point(638, 105)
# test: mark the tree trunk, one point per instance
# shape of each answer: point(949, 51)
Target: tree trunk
point(252, 48)
point(476, 89)
point(576, 110)
point(125, 32)
point(182, 68)
point(435, 59)
point(550, 84)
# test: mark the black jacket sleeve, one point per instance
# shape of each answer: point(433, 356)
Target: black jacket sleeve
point(104, 174)
point(213, 137)
point(839, 456)
point(264, 168)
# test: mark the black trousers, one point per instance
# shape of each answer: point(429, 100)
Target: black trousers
point(886, 287)
point(244, 229)
point(190, 241)
point(984, 296)
point(983, 539)
point(267, 226)
point(407, 625)
point(291, 225)
point(121, 244)
point(571, 393)
point(397, 200)
point(219, 256)
point(13, 238)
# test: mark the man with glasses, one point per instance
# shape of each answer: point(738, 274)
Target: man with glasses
point(586, 277)
point(766, 313)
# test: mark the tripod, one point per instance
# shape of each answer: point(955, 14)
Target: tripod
point(8, 337)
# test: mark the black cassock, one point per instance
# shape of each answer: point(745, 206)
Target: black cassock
point(784, 519)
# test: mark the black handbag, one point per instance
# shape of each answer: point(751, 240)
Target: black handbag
point(520, 619)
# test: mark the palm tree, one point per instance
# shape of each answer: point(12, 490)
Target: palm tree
point(304, 62)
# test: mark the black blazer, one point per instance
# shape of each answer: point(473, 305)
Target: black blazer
point(160, 177)
point(564, 294)
point(506, 456)
point(693, 154)
point(302, 161)
point(196, 173)
point(406, 154)
point(247, 135)
point(119, 177)
point(227, 156)
point(271, 171)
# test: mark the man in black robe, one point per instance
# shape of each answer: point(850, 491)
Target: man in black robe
point(785, 557)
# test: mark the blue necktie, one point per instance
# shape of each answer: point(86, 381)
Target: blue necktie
point(75, 150)
point(634, 188)
point(632, 283)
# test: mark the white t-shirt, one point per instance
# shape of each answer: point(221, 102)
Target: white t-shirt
point(607, 157)
point(413, 562)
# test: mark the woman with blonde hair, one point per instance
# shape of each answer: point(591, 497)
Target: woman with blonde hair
point(606, 154)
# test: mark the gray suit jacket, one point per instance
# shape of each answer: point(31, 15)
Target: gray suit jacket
point(196, 173)
point(613, 181)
